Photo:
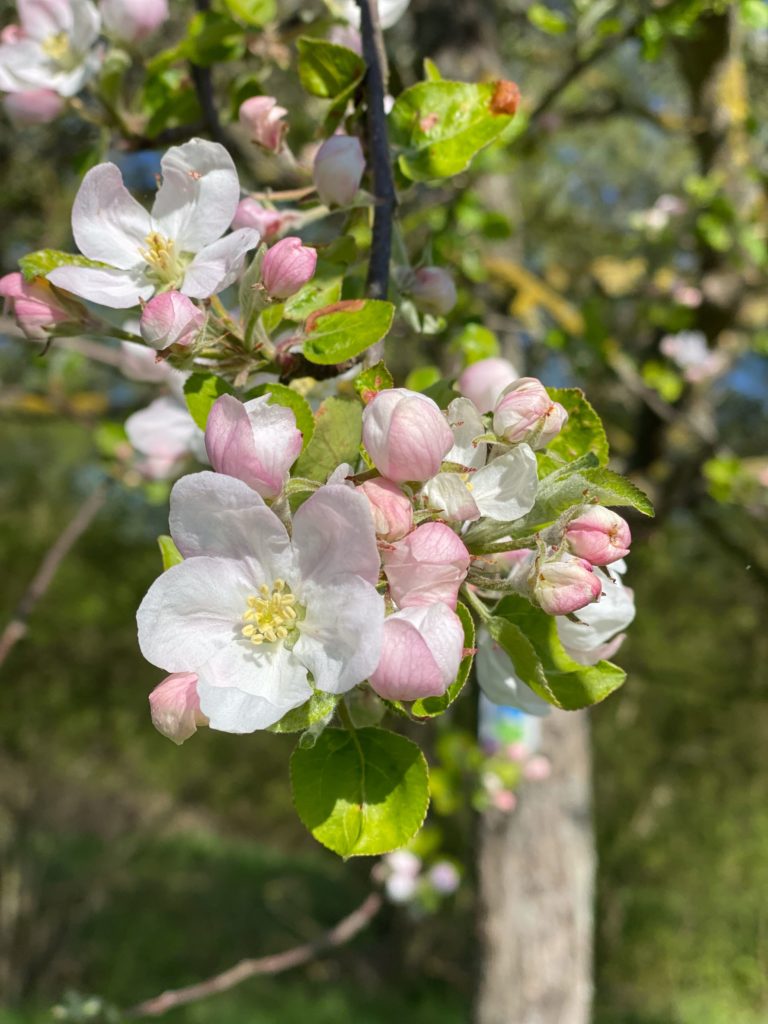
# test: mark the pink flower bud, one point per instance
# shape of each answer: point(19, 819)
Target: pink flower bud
point(599, 535)
point(263, 120)
point(255, 442)
point(537, 769)
point(338, 170)
point(432, 290)
point(421, 653)
point(133, 20)
point(427, 566)
point(33, 106)
point(11, 34)
point(482, 382)
point(34, 304)
point(391, 509)
point(287, 267)
point(405, 434)
point(170, 318)
point(525, 412)
point(566, 584)
point(269, 223)
point(175, 707)
point(345, 35)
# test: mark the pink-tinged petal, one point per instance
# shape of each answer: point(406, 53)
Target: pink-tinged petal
point(118, 289)
point(599, 535)
point(406, 435)
point(137, 362)
point(170, 318)
point(333, 533)
point(41, 19)
point(505, 489)
point(33, 106)
point(426, 567)
point(175, 707)
point(212, 514)
point(218, 265)
point(288, 266)
point(270, 672)
point(194, 610)
point(198, 197)
point(262, 118)
point(599, 622)
point(255, 442)
point(133, 20)
point(108, 223)
point(392, 511)
point(484, 381)
point(338, 169)
point(450, 495)
point(340, 638)
point(565, 584)
point(525, 412)
point(164, 430)
point(421, 653)
point(466, 423)
point(432, 290)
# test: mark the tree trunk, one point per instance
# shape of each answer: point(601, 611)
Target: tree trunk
point(536, 886)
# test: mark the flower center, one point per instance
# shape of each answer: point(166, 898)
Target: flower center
point(271, 615)
point(58, 48)
point(160, 253)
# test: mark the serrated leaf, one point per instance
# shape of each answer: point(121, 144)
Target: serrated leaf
point(338, 430)
point(530, 639)
point(42, 262)
point(375, 378)
point(200, 391)
point(363, 793)
point(319, 292)
point(439, 126)
point(345, 329)
point(428, 707)
point(319, 706)
point(584, 431)
point(169, 553)
point(326, 69)
point(290, 399)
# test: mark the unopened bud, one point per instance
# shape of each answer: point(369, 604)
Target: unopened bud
point(427, 566)
point(599, 535)
point(33, 106)
point(525, 412)
point(432, 290)
point(36, 307)
point(262, 118)
point(406, 435)
point(287, 267)
point(421, 653)
point(269, 223)
point(565, 584)
point(483, 382)
point(391, 509)
point(170, 318)
point(338, 169)
point(133, 20)
point(175, 707)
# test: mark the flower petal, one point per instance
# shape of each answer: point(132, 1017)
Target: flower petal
point(505, 489)
point(199, 194)
point(333, 533)
point(43, 18)
point(340, 638)
point(466, 423)
point(107, 222)
point(497, 679)
point(163, 430)
point(118, 289)
point(449, 494)
point(218, 265)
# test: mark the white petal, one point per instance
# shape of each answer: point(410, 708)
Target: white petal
point(199, 194)
point(497, 679)
point(268, 671)
point(505, 489)
point(118, 289)
point(86, 23)
point(333, 533)
point(24, 66)
point(598, 622)
point(43, 18)
point(194, 610)
point(164, 430)
point(449, 494)
point(232, 710)
point(108, 223)
point(466, 423)
point(218, 265)
point(213, 514)
point(340, 641)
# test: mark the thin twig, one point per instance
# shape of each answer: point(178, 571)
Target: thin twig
point(43, 578)
point(339, 935)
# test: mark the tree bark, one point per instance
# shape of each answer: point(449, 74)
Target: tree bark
point(536, 887)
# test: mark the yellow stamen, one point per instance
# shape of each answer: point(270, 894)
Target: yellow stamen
point(271, 615)
point(160, 253)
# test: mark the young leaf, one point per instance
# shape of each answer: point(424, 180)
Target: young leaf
point(327, 70)
point(282, 395)
point(254, 13)
point(201, 390)
point(319, 292)
point(360, 793)
point(584, 431)
point(338, 430)
point(375, 378)
point(42, 262)
point(319, 706)
point(343, 330)
point(428, 707)
point(169, 553)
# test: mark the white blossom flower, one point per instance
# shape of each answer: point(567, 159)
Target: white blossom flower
point(176, 246)
point(164, 433)
point(260, 617)
point(53, 48)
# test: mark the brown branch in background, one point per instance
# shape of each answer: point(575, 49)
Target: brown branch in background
point(43, 578)
point(378, 150)
point(339, 935)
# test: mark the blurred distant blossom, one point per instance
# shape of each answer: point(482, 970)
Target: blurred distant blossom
point(690, 351)
point(658, 216)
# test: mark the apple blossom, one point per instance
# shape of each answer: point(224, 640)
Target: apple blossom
point(402, 870)
point(598, 632)
point(175, 707)
point(497, 679)
point(525, 412)
point(253, 441)
point(564, 584)
point(288, 265)
point(36, 307)
point(253, 612)
point(164, 433)
point(599, 535)
point(426, 567)
point(133, 20)
point(33, 106)
point(170, 318)
point(690, 351)
point(432, 290)
point(140, 363)
point(391, 509)
point(406, 434)
point(53, 49)
point(176, 246)
point(262, 118)
point(268, 222)
point(484, 381)
point(444, 877)
point(345, 35)
point(421, 653)
point(338, 169)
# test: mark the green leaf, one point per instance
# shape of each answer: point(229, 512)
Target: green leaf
point(346, 329)
point(338, 430)
point(529, 636)
point(290, 399)
point(362, 793)
point(476, 342)
point(423, 377)
point(169, 553)
point(438, 127)
point(319, 706)
point(42, 262)
point(584, 431)
point(319, 292)
point(200, 391)
point(375, 378)
point(253, 12)
point(327, 70)
point(547, 20)
point(212, 38)
point(428, 707)
point(754, 13)
point(431, 71)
